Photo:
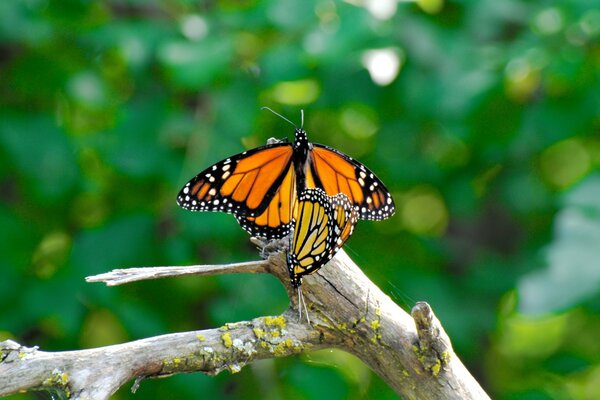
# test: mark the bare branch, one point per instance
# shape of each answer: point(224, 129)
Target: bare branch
point(127, 275)
point(412, 354)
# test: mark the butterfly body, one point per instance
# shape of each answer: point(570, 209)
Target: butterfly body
point(261, 186)
point(302, 149)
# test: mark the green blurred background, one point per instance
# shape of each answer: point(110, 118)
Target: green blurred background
point(482, 118)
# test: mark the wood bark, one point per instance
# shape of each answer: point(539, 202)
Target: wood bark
point(412, 353)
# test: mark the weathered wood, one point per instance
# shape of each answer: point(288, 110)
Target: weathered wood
point(412, 354)
point(128, 275)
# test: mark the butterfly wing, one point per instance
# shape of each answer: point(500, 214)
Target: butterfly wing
point(321, 226)
point(244, 184)
point(275, 221)
point(337, 172)
point(345, 217)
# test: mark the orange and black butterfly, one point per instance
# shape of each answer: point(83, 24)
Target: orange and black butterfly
point(321, 226)
point(261, 186)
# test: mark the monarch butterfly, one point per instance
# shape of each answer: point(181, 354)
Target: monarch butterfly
point(320, 228)
point(261, 186)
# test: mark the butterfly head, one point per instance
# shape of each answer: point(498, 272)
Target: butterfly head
point(295, 279)
point(300, 139)
point(294, 272)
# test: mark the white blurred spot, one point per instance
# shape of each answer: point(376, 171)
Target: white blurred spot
point(194, 27)
point(549, 21)
point(381, 9)
point(315, 42)
point(87, 88)
point(383, 64)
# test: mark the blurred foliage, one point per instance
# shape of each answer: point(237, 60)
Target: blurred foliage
point(482, 117)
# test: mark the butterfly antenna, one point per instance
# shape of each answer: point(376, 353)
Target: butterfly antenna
point(301, 119)
point(281, 116)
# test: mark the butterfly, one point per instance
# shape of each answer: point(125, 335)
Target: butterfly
point(321, 226)
point(261, 186)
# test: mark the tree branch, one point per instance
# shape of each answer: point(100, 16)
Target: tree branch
point(413, 354)
point(128, 275)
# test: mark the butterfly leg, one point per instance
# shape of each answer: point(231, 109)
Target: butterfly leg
point(302, 304)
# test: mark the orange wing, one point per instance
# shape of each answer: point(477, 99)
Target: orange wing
point(336, 173)
point(244, 185)
point(275, 220)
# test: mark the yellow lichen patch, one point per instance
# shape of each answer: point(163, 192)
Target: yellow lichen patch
point(416, 350)
point(234, 368)
point(376, 338)
point(435, 368)
point(201, 337)
point(420, 354)
point(275, 321)
point(283, 348)
point(445, 356)
point(259, 333)
point(58, 380)
point(375, 324)
point(226, 338)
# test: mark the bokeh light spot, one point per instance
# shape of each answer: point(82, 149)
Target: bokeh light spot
point(424, 212)
point(381, 9)
point(87, 89)
point(383, 64)
point(431, 6)
point(296, 92)
point(522, 79)
point(549, 21)
point(533, 336)
point(193, 27)
point(564, 163)
point(51, 254)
